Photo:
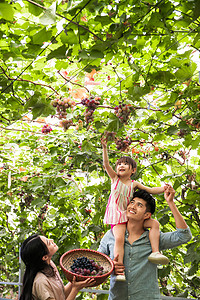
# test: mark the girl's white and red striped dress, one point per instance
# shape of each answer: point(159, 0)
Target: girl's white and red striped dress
point(117, 203)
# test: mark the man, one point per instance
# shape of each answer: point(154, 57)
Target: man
point(141, 275)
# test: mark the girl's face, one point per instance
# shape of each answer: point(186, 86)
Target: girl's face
point(123, 168)
point(51, 246)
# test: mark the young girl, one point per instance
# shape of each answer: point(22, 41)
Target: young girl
point(41, 278)
point(122, 189)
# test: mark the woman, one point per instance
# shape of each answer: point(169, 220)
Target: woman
point(41, 278)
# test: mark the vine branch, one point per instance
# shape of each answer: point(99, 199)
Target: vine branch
point(30, 81)
point(75, 83)
point(75, 23)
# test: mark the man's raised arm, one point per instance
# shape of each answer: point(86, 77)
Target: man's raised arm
point(169, 197)
point(182, 234)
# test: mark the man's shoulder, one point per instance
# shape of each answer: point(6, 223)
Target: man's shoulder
point(108, 236)
point(107, 243)
point(109, 233)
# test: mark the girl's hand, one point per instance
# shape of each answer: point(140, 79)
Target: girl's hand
point(82, 284)
point(169, 194)
point(166, 187)
point(104, 141)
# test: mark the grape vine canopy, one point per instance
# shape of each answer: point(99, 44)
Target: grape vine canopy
point(71, 71)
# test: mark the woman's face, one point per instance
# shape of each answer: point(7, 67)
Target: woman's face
point(51, 246)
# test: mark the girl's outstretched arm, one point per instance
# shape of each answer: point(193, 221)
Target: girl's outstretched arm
point(154, 190)
point(111, 173)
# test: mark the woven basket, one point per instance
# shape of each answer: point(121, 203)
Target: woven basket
point(101, 259)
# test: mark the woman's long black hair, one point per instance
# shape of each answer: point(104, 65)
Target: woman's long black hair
point(32, 251)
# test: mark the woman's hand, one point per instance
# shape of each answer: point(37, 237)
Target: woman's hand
point(82, 284)
point(72, 288)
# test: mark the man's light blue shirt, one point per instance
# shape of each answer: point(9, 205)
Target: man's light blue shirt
point(141, 275)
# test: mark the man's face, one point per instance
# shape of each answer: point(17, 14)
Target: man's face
point(136, 210)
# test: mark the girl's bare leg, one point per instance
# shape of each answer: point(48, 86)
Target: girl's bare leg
point(154, 236)
point(154, 233)
point(119, 234)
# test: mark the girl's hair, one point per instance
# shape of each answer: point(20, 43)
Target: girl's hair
point(128, 160)
point(32, 251)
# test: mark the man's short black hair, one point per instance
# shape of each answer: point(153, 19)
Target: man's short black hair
point(150, 201)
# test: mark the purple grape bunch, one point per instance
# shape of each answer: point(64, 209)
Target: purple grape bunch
point(46, 129)
point(123, 112)
point(123, 144)
point(86, 267)
point(91, 103)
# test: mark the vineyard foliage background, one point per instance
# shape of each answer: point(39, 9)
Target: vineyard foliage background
point(137, 54)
